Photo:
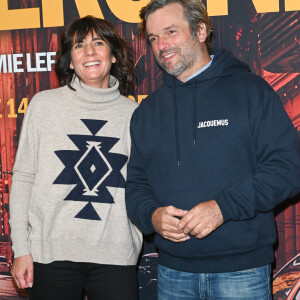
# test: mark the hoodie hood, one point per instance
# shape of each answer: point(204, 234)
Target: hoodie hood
point(223, 64)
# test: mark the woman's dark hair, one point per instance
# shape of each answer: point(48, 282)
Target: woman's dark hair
point(122, 69)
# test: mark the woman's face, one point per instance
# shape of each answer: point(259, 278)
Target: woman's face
point(91, 60)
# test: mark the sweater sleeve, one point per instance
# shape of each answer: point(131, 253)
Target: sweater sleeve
point(22, 182)
point(140, 200)
point(278, 165)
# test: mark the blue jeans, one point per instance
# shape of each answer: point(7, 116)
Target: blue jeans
point(252, 284)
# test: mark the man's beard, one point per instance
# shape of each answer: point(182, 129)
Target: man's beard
point(188, 55)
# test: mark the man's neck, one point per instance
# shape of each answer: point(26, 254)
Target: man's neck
point(201, 63)
point(202, 69)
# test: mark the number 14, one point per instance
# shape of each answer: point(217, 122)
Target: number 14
point(11, 106)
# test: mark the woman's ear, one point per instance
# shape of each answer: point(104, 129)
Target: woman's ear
point(113, 60)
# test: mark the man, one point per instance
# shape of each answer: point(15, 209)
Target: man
point(213, 153)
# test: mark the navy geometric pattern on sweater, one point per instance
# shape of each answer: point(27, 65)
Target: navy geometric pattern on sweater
point(92, 168)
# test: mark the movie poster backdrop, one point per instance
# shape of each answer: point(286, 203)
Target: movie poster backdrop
point(263, 33)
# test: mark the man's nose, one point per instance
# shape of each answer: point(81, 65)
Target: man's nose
point(163, 43)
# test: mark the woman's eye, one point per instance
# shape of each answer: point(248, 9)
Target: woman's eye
point(78, 45)
point(99, 43)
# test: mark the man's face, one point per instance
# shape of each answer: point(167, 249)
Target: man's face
point(175, 50)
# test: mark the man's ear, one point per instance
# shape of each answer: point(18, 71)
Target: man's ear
point(202, 33)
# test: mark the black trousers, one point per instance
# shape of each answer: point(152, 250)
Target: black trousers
point(66, 280)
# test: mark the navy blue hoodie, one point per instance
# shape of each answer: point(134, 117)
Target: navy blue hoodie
point(222, 135)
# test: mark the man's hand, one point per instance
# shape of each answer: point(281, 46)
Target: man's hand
point(202, 219)
point(22, 271)
point(166, 224)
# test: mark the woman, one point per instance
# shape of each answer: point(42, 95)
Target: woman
point(69, 227)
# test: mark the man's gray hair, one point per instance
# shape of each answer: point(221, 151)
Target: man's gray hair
point(195, 13)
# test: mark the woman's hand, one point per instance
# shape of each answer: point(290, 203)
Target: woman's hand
point(22, 271)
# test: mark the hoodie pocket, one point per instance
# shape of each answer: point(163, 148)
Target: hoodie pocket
point(231, 237)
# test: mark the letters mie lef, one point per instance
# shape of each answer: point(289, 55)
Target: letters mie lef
point(13, 63)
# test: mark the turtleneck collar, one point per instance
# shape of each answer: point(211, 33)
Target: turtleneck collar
point(95, 95)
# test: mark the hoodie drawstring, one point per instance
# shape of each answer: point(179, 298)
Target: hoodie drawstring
point(176, 119)
point(194, 113)
point(176, 124)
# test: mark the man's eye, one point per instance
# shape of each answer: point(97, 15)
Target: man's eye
point(99, 43)
point(172, 31)
point(152, 39)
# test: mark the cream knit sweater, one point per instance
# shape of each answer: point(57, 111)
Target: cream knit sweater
point(67, 197)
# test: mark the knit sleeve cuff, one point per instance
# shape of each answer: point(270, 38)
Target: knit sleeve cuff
point(146, 221)
point(225, 207)
point(20, 248)
point(19, 204)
